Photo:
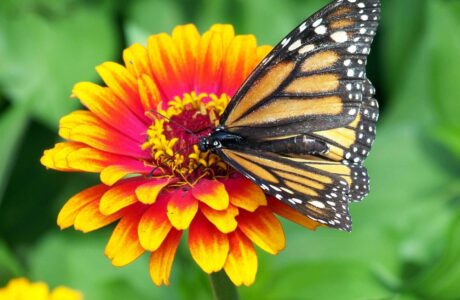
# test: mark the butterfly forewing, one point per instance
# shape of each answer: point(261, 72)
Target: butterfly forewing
point(313, 79)
point(309, 94)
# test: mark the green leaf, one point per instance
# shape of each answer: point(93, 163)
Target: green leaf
point(441, 281)
point(9, 266)
point(44, 52)
point(445, 69)
point(13, 123)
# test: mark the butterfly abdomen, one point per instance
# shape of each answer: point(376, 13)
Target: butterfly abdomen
point(299, 145)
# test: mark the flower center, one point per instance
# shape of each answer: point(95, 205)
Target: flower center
point(175, 132)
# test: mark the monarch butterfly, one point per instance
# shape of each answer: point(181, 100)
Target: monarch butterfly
point(303, 122)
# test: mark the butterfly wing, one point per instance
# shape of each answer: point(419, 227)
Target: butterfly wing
point(317, 188)
point(312, 84)
point(311, 81)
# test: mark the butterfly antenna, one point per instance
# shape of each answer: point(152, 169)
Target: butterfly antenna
point(176, 123)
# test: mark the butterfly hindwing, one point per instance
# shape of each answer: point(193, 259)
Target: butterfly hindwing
point(313, 79)
point(317, 188)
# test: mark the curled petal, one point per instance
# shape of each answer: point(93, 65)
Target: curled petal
point(74, 205)
point(208, 246)
point(241, 264)
point(112, 174)
point(56, 158)
point(224, 220)
point(263, 228)
point(162, 259)
point(212, 193)
point(245, 194)
point(291, 214)
point(124, 246)
point(182, 208)
point(120, 196)
point(154, 225)
point(148, 192)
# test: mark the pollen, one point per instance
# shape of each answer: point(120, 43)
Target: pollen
point(176, 130)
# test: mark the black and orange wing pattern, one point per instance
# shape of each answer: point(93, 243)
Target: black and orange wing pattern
point(312, 85)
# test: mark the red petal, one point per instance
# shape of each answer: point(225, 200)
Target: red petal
point(120, 196)
point(148, 192)
point(241, 264)
point(212, 193)
point(162, 259)
point(245, 194)
point(154, 225)
point(182, 208)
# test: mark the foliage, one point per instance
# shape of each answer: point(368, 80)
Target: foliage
point(405, 243)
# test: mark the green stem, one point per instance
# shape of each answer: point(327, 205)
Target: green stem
point(222, 287)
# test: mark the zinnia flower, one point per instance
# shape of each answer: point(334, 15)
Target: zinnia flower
point(140, 133)
point(23, 289)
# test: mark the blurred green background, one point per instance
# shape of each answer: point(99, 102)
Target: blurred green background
point(406, 238)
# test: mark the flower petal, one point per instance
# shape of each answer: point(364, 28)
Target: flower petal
point(245, 194)
point(162, 259)
point(148, 192)
point(262, 52)
point(56, 158)
point(208, 246)
point(123, 84)
point(212, 193)
point(74, 205)
point(149, 93)
point(120, 196)
point(187, 39)
point(90, 218)
point(226, 31)
point(123, 246)
point(263, 228)
point(209, 63)
point(182, 208)
point(113, 174)
point(107, 107)
point(291, 214)
point(137, 60)
point(241, 264)
point(154, 225)
point(224, 220)
point(85, 127)
point(240, 60)
point(167, 65)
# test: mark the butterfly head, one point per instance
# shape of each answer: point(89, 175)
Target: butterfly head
point(219, 138)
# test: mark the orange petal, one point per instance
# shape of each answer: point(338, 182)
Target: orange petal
point(123, 84)
point(90, 218)
point(263, 228)
point(149, 92)
point(187, 39)
point(120, 196)
point(148, 192)
point(245, 194)
point(224, 220)
point(226, 31)
point(74, 205)
point(112, 174)
point(137, 61)
point(123, 246)
point(154, 225)
point(208, 246)
point(241, 264)
point(85, 127)
point(182, 208)
point(262, 52)
point(240, 60)
point(107, 107)
point(167, 65)
point(212, 193)
point(209, 63)
point(291, 214)
point(91, 160)
point(162, 259)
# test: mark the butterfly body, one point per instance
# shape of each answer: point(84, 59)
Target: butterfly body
point(304, 121)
